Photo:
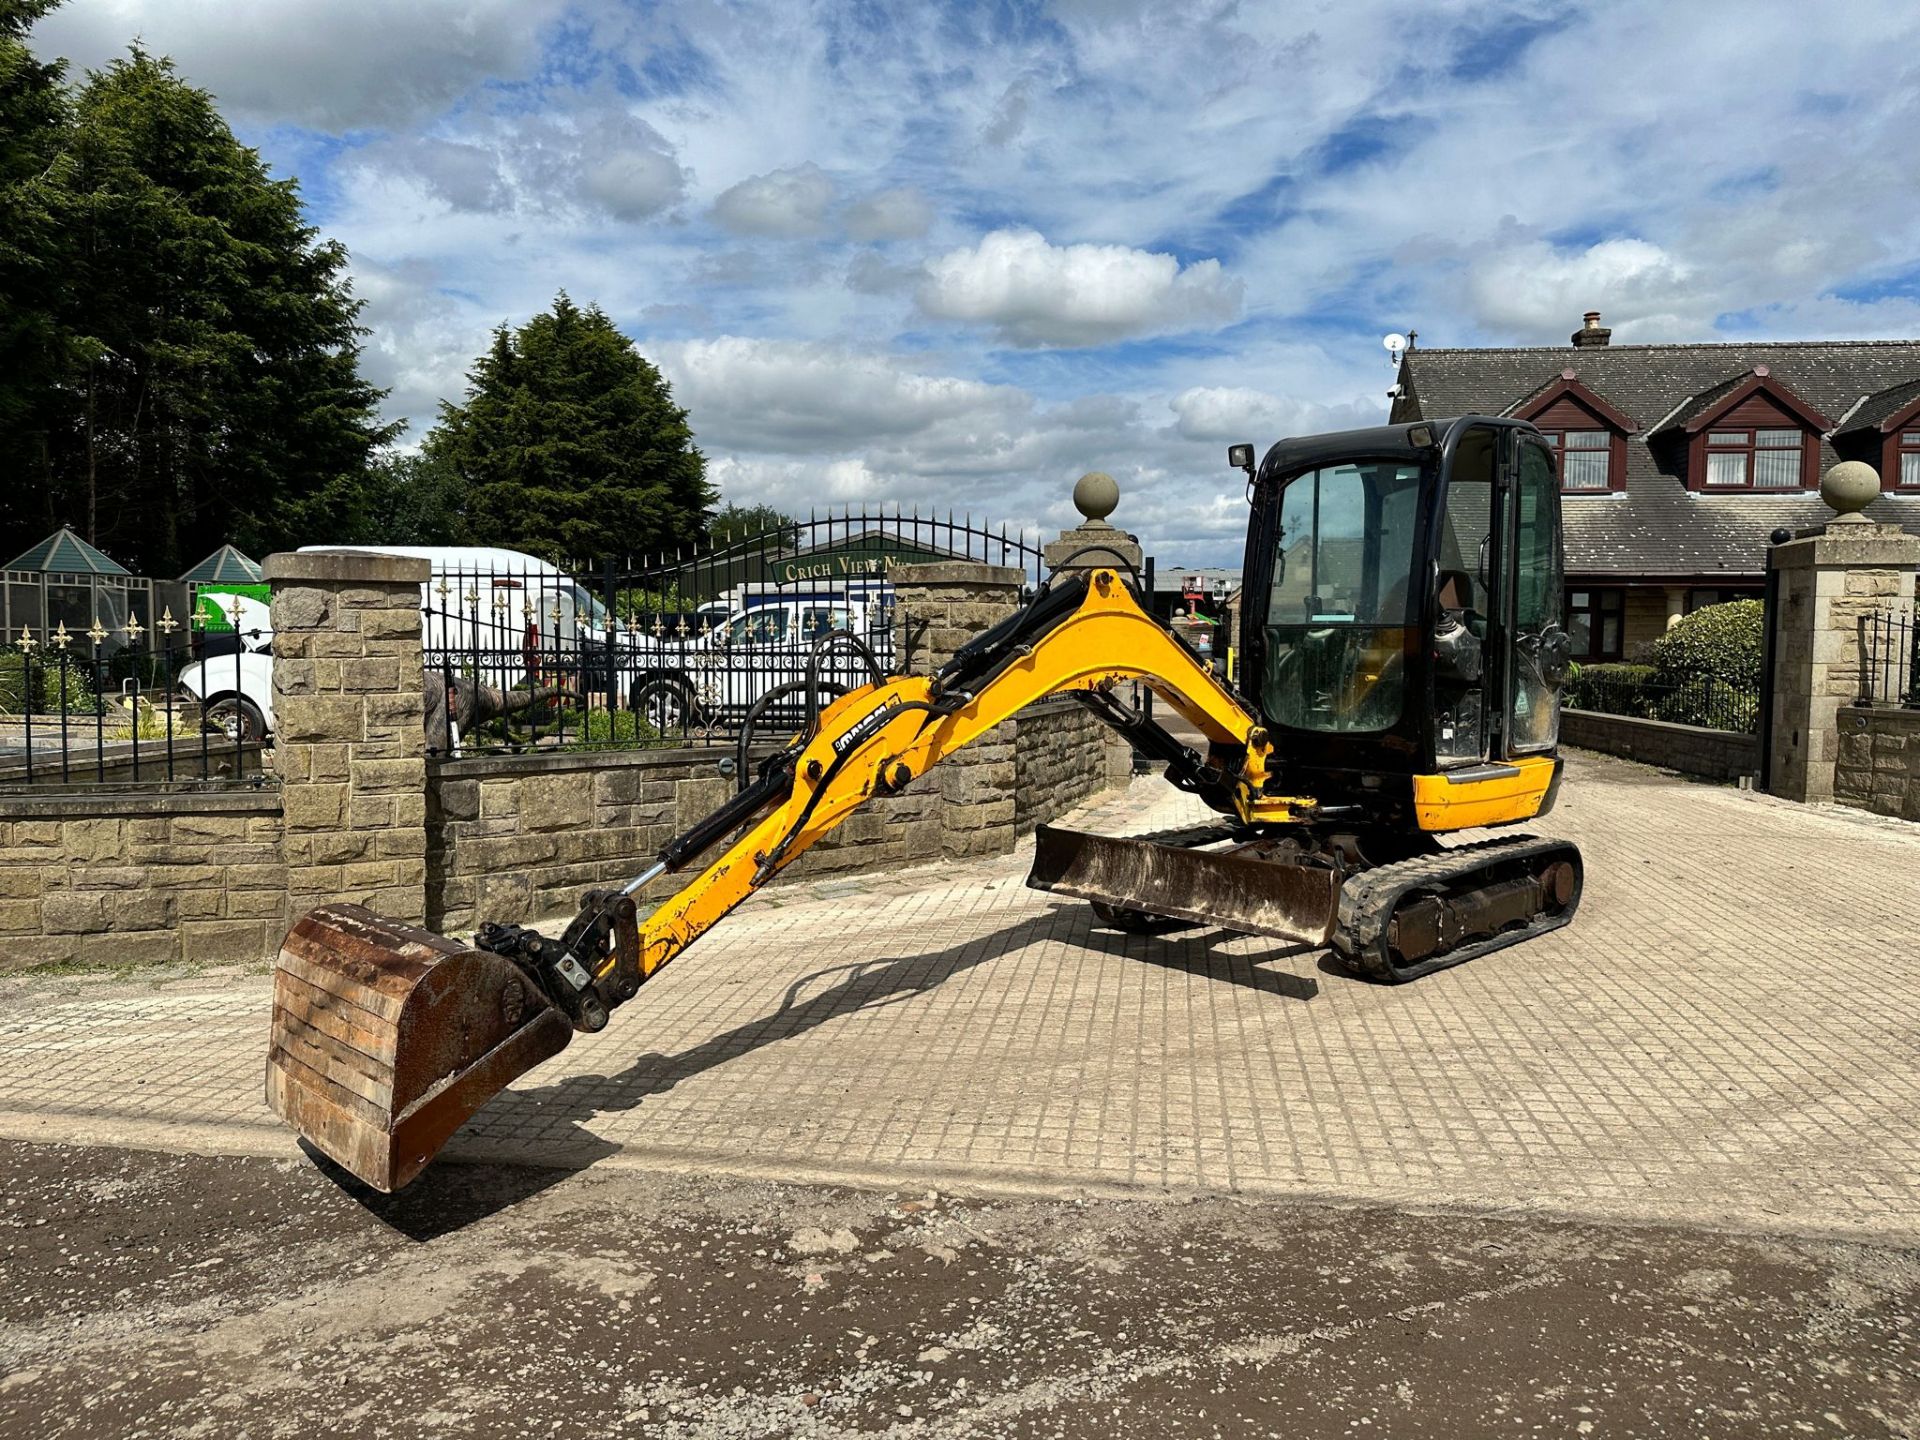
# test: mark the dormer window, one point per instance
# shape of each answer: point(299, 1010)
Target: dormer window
point(1588, 435)
point(1883, 430)
point(1585, 458)
point(1750, 432)
point(1772, 459)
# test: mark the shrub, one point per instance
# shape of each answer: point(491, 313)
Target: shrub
point(1723, 641)
point(617, 727)
point(79, 697)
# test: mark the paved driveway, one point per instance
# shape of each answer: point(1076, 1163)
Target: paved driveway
point(1729, 1034)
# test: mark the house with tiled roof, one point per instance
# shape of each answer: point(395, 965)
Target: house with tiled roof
point(1679, 462)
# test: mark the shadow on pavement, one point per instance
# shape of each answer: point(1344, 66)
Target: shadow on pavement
point(871, 984)
point(448, 1197)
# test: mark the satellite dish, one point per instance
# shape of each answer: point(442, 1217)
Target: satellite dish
point(1395, 342)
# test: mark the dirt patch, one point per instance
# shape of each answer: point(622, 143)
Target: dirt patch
point(167, 1296)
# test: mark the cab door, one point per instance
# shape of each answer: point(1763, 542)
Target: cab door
point(1536, 652)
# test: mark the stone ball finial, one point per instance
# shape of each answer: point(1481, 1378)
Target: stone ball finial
point(1094, 496)
point(1849, 487)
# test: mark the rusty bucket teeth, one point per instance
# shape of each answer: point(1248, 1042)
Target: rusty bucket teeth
point(387, 1038)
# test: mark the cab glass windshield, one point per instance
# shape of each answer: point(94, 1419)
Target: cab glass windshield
point(1338, 611)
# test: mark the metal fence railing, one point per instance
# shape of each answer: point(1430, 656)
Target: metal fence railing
point(710, 646)
point(1890, 660)
point(141, 702)
point(1703, 700)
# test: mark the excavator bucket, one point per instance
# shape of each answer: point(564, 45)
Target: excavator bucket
point(386, 1038)
point(1235, 889)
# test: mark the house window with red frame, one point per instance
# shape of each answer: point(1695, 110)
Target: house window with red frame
point(1585, 456)
point(1773, 459)
point(1596, 623)
point(1910, 460)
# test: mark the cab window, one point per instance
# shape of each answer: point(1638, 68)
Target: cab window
point(1337, 614)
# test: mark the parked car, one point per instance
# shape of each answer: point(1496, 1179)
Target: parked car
point(232, 683)
point(713, 675)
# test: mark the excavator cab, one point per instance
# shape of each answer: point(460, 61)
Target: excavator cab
point(1403, 656)
point(1401, 627)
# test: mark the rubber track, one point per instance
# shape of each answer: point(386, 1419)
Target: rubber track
point(1368, 899)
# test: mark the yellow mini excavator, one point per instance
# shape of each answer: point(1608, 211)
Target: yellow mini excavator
point(1402, 650)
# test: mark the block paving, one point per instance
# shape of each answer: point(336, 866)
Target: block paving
point(1728, 1034)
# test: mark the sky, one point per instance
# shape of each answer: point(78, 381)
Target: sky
point(955, 256)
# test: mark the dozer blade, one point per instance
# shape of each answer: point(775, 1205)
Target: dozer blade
point(1234, 889)
point(386, 1038)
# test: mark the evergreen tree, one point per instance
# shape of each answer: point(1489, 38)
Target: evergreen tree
point(569, 443)
point(217, 393)
point(412, 500)
point(33, 343)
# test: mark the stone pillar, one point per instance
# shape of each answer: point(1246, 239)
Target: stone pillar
point(1676, 605)
point(938, 608)
point(350, 734)
point(1830, 578)
point(1096, 544)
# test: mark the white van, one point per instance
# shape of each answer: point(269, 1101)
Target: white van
point(482, 608)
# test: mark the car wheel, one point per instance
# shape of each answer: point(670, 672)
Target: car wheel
point(668, 704)
point(237, 718)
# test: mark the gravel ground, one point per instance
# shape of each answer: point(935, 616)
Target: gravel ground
point(161, 1295)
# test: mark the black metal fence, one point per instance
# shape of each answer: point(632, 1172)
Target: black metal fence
point(707, 646)
point(1890, 660)
point(1704, 700)
point(146, 701)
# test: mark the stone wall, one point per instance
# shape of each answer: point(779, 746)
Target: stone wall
point(124, 878)
point(1689, 749)
point(362, 815)
point(941, 607)
point(518, 837)
point(1062, 755)
point(1878, 766)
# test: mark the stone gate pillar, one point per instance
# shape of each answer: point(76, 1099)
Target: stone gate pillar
point(1095, 543)
point(1830, 577)
point(350, 729)
point(938, 608)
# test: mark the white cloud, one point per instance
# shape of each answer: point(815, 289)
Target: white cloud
point(596, 164)
point(340, 65)
point(1033, 293)
point(901, 213)
point(791, 396)
point(1533, 290)
point(634, 181)
point(1233, 413)
point(786, 204)
point(1408, 174)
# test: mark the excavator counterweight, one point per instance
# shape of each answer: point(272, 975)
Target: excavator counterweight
point(1402, 661)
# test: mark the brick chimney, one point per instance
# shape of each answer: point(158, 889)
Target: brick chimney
point(1591, 333)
